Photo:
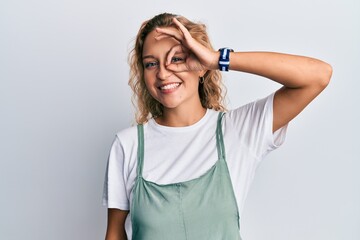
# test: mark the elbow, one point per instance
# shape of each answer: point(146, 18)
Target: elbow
point(325, 73)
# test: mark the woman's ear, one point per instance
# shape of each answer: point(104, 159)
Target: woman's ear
point(202, 73)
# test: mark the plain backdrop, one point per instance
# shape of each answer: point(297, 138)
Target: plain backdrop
point(64, 95)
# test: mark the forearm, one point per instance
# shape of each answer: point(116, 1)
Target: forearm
point(116, 236)
point(292, 71)
point(116, 224)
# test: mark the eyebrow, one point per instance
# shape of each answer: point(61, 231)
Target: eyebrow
point(148, 56)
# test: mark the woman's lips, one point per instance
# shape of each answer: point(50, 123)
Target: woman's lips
point(169, 87)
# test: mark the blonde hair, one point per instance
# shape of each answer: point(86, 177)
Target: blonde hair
point(210, 91)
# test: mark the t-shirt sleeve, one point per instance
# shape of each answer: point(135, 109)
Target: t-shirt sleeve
point(114, 194)
point(253, 123)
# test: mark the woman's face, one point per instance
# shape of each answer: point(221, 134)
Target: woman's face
point(171, 89)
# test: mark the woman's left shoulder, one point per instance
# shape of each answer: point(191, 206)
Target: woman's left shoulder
point(256, 106)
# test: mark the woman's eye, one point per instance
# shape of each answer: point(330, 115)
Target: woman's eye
point(177, 59)
point(150, 64)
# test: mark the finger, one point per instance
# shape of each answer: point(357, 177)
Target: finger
point(170, 32)
point(181, 67)
point(182, 28)
point(162, 36)
point(180, 49)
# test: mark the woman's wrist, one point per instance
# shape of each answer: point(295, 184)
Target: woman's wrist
point(224, 59)
point(215, 61)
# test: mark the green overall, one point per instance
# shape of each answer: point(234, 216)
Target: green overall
point(203, 208)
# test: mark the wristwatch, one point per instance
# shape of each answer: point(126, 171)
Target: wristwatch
point(224, 59)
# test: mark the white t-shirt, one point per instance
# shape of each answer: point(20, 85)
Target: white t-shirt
point(177, 154)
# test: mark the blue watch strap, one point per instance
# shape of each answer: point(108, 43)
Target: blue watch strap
point(224, 59)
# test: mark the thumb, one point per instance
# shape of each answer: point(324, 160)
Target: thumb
point(180, 67)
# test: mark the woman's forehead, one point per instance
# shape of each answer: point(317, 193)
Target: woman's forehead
point(153, 45)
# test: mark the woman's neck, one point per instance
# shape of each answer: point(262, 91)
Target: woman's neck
point(181, 117)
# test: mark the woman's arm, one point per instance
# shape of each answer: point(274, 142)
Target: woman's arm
point(116, 224)
point(303, 79)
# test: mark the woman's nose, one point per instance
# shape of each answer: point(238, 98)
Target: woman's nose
point(163, 73)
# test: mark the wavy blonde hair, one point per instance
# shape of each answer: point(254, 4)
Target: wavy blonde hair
point(210, 91)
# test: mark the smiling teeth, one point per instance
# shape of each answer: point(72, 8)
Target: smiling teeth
point(170, 86)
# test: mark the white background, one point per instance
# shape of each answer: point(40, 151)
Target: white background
point(64, 95)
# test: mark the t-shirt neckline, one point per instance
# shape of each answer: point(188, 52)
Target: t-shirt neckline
point(152, 123)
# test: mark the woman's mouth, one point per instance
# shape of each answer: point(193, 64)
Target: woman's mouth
point(169, 86)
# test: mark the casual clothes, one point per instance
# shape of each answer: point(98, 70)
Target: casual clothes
point(178, 154)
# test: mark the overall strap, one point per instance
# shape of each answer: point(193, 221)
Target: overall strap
point(140, 152)
point(219, 137)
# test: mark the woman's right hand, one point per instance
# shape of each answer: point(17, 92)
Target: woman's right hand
point(198, 57)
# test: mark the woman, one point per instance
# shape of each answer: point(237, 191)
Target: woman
point(185, 170)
